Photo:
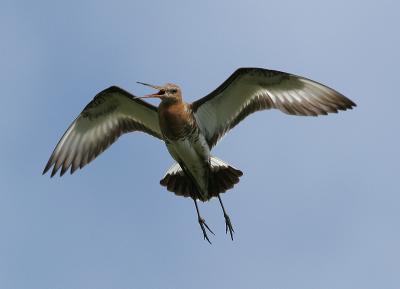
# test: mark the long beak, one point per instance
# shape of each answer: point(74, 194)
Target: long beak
point(159, 94)
point(150, 85)
point(155, 95)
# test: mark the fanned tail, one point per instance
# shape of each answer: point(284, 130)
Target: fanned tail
point(222, 178)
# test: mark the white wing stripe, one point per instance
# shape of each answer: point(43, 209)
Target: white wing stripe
point(111, 113)
point(252, 89)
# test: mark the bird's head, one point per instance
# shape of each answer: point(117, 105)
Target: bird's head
point(169, 92)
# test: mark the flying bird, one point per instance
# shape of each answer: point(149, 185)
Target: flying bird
point(191, 130)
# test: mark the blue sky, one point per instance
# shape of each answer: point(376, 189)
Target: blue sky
point(318, 205)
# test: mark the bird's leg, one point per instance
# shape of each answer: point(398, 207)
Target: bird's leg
point(202, 223)
point(228, 224)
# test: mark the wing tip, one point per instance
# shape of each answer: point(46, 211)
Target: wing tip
point(73, 169)
point(53, 172)
point(63, 171)
point(349, 104)
point(47, 167)
point(352, 104)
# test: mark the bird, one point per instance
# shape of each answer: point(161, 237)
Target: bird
point(191, 130)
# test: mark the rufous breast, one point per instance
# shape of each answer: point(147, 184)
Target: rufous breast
point(176, 120)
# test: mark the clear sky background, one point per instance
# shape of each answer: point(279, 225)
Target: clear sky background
point(318, 205)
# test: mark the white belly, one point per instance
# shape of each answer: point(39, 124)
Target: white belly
point(195, 156)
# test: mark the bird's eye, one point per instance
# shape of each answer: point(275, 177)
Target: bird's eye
point(174, 90)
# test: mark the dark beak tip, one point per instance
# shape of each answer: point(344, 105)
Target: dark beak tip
point(149, 85)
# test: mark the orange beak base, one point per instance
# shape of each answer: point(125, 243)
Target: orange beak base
point(159, 95)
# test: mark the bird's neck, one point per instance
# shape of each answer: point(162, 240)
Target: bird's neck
point(172, 105)
point(171, 101)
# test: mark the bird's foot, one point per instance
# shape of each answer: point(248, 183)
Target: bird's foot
point(204, 226)
point(228, 226)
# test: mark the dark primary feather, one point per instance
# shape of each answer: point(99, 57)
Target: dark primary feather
point(249, 90)
point(111, 113)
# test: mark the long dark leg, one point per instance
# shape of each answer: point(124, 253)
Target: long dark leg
point(202, 223)
point(228, 224)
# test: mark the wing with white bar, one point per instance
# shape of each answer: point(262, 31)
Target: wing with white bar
point(111, 113)
point(249, 90)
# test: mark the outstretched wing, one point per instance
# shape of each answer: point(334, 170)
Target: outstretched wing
point(111, 113)
point(249, 90)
